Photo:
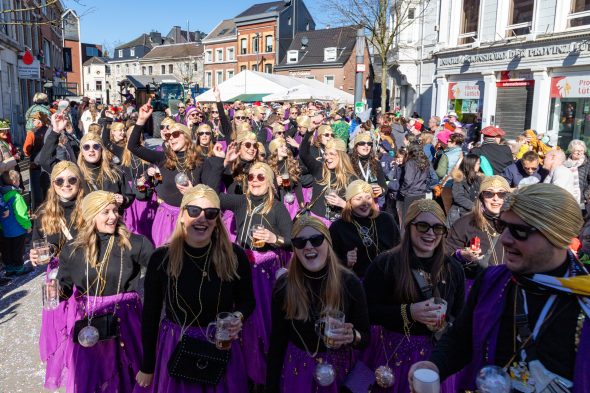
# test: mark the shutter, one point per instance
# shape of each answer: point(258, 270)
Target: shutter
point(514, 106)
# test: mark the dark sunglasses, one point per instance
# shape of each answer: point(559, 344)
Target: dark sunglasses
point(240, 117)
point(259, 177)
point(94, 146)
point(518, 231)
point(173, 134)
point(214, 111)
point(328, 134)
point(363, 143)
point(60, 181)
point(301, 242)
point(280, 133)
point(424, 227)
point(201, 133)
point(211, 213)
point(195, 114)
point(490, 194)
point(163, 127)
point(250, 144)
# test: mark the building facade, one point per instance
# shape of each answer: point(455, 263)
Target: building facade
point(184, 61)
point(518, 65)
point(95, 72)
point(219, 51)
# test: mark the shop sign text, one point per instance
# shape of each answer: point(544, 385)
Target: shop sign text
point(464, 90)
point(570, 87)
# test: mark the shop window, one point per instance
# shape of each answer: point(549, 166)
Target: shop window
point(579, 13)
point(469, 21)
point(520, 17)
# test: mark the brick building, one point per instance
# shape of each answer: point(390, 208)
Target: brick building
point(220, 61)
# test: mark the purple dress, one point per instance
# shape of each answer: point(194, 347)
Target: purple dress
point(140, 216)
point(164, 223)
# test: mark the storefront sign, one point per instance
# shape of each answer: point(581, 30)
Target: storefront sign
point(523, 53)
point(464, 90)
point(570, 86)
point(28, 67)
point(511, 83)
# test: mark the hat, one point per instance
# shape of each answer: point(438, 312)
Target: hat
point(444, 136)
point(453, 114)
point(4, 124)
point(200, 191)
point(493, 131)
point(188, 111)
point(357, 187)
point(337, 144)
point(274, 145)
point(341, 112)
point(494, 182)
point(95, 202)
point(62, 104)
point(362, 137)
point(424, 206)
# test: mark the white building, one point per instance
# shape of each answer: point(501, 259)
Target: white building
point(184, 61)
point(95, 71)
point(516, 64)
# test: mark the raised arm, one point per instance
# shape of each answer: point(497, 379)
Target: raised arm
point(313, 165)
point(134, 145)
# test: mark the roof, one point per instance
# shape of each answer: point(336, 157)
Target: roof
point(175, 51)
point(343, 38)
point(262, 8)
point(146, 39)
point(140, 81)
point(227, 28)
point(95, 60)
point(178, 36)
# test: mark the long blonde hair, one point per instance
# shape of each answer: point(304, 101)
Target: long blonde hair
point(269, 200)
point(106, 170)
point(115, 127)
point(297, 301)
point(127, 157)
point(344, 172)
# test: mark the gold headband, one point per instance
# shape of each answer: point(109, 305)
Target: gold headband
point(324, 128)
point(337, 144)
point(312, 222)
point(424, 206)
point(245, 136)
point(495, 182)
point(95, 202)
point(65, 165)
point(303, 121)
point(357, 187)
point(91, 137)
point(362, 137)
point(200, 191)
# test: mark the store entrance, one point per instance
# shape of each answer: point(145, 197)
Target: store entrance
point(514, 106)
point(569, 116)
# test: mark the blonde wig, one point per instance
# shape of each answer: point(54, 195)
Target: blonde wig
point(106, 170)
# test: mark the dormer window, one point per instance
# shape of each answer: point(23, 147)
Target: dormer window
point(132, 52)
point(330, 54)
point(292, 56)
point(120, 52)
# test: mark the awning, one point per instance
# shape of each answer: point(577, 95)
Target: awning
point(249, 97)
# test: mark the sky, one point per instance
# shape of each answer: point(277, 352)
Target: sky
point(111, 22)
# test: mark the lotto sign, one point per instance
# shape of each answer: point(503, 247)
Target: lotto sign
point(464, 90)
point(570, 87)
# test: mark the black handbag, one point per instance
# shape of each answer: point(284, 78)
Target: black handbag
point(106, 324)
point(359, 379)
point(198, 361)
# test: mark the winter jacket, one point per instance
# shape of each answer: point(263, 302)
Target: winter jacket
point(584, 178)
point(413, 181)
point(18, 222)
point(499, 156)
point(446, 164)
point(398, 134)
point(514, 173)
point(464, 194)
point(564, 178)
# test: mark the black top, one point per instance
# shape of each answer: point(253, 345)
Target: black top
point(112, 147)
point(57, 239)
point(216, 296)
point(372, 178)
point(167, 190)
point(384, 310)
point(499, 156)
point(286, 330)
point(72, 266)
point(119, 186)
point(48, 153)
point(555, 344)
point(277, 220)
point(346, 236)
point(223, 124)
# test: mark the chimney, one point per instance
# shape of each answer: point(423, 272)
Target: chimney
point(156, 37)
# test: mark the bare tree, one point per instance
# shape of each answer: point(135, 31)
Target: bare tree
point(383, 20)
point(16, 16)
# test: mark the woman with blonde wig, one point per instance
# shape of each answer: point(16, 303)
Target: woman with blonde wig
point(180, 165)
point(98, 274)
point(363, 232)
point(240, 155)
point(287, 174)
point(197, 276)
point(115, 139)
point(316, 288)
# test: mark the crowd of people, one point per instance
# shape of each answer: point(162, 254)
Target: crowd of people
point(299, 248)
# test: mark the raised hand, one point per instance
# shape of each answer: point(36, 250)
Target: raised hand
point(145, 112)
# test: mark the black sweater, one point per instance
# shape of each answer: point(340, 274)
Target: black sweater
point(384, 310)
point(286, 330)
point(216, 296)
point(72, 266)
point(112, 147)
point(57, 239)
point(346, 237)
point(167, 190)
point(373, 178)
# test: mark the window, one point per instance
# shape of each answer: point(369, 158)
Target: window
point(219, 55)
point(98, 85)
point(230, 54)
point(307, 26)
point(88, 86)
point(243, 46)
point(150, 70)
point(255, 44)
point(107, 70)
point(289, 21)
point(330, 54)
point(218, 77)
point(520, 17)
point(171, 69)
point(229, 74)
point(268, 43)
point(91, 51)
point(117, 69)
point(329, 80)
point(143, 70)
point(132, 52)
point(242, 68)
point(469, 21)
point(268, 68)
point(127, 69)
point(88, 70)
point(120, 52)
point(254, 67)
point(579, 13)
point(292, 56)
point(195, 67)
point(47, 53)
point(67, 53)
point(208, 56)
point(208, 81)
point(411, 13)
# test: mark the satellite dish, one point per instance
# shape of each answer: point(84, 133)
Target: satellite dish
point(304, 41)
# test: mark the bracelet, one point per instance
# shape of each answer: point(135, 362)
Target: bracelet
point(280, 241)
point(404, 310)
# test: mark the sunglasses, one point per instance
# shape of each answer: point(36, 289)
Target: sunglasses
point(60, 181)
point(211, 213)
point(328, 134)
point(249, 145)
point(214, 111)
point(280, 133)
point(518, 231)
point(491, 194)
point(94, 146)
point(195, 114)
point(259, 177)
point(203, 133)
point(173, 134)
point(162, 127)
point(363, 143)
point(241, 117)
point(424, 227)
point(301, 242)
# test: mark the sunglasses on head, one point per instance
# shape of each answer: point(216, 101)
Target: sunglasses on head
point(249, 145)
point(211, 213)
point(518, 231)
point(490, 194)
point(424, 227)
point(173, 134)
point(94, 146)
point(201, 133)
point(363, 143)
point(241, 117)
point(259, 177)
point(301, 242)
point(60, 181)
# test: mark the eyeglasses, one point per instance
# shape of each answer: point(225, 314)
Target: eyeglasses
point(249, 145)
point(280, 133)
point(94, 146)
point(328, 134)
point(163, 127)
point(214, 111)
point(240, 117)
point(259, 177)
point(424, 227)
point(180, 106)
point(491, 194)
point(518, 231)
point(60, 181)
point(301, 242)
point(195, 114)
point(211, 213)
point(201, 133)
point(173, 134)
point(363, 143)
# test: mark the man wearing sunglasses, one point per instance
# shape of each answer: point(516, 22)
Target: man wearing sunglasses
point(528, 167)
point(531, 315)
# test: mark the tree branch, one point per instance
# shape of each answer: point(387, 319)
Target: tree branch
point(37, 7)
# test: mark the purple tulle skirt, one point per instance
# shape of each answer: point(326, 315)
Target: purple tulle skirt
point(164, 223)
point(402, 354)
point(256, 331)
point(230, 224)
point(140, 216)
point(292, 208)
point(307, 193)
point(109, 366)
point(299, 368)
point(234, 381)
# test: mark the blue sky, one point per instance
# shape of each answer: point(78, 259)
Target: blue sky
point(112, 22)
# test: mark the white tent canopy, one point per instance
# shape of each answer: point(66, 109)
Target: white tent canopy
point(258, 83)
